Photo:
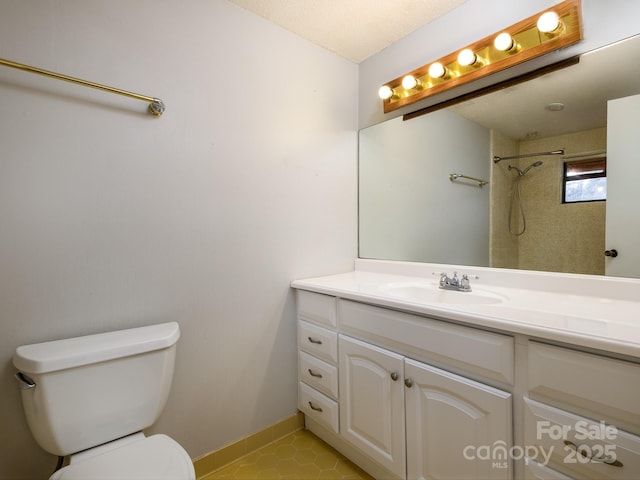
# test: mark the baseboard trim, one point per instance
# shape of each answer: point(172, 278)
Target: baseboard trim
point(210, 462)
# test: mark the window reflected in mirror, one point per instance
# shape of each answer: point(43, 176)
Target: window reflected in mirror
point(585, 181)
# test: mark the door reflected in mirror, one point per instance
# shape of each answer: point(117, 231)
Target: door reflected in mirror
point(411, 210)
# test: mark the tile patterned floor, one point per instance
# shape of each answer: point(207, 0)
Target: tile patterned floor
point(300, 456)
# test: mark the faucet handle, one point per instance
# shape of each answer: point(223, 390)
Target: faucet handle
point(444, 279)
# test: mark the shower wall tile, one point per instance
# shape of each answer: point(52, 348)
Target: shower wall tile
point(503, 246)
point(560, 237)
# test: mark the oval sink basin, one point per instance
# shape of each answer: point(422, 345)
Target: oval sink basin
point(430, 293)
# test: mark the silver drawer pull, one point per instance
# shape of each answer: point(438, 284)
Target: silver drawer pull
point(314, 374)
point(313, 340)
point(313, 407)
point(608, 461)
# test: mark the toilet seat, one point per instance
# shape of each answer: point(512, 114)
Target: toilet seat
point(157, 457)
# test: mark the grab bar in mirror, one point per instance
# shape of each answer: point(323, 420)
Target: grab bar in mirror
point(455, 176)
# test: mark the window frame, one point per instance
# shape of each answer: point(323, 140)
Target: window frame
point(584, 162)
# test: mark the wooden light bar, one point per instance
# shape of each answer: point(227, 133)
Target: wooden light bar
point(518, 43)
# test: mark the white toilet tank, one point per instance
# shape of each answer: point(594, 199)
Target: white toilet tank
point(97, 388)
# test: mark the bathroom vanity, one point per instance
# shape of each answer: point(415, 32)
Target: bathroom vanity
point(529, 375)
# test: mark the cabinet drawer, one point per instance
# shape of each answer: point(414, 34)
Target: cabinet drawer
point(316, 307)
point(608, 453)
point(318, 341)
point(318, 406)
point(318, 374)
point(485, 354)
point(607, 387)
point(536, 471)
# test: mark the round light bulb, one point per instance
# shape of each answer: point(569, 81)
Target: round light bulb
point(503, 42)
point(385, 92)
point(466, 57)
point(409, 82)
point(437, 70)
point(548, 22)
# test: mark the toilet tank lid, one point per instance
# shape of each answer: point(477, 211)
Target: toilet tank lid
point(74, 352)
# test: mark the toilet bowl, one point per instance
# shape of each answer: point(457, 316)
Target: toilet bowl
point(89, 398)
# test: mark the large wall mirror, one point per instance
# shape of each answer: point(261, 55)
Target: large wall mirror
point(422, 190)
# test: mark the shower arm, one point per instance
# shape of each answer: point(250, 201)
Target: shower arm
point(497, 159)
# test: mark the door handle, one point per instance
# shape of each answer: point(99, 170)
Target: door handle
point(613, 253)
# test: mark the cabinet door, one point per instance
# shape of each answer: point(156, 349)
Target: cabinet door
point(456, 428)
point(372, 402)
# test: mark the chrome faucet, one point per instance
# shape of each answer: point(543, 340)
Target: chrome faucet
point(455, 283)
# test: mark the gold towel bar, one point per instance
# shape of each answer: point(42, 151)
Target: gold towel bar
point(156, 106)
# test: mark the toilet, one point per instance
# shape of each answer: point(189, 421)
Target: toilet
point(90, 397)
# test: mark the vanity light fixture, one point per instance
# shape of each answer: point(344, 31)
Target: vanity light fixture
point(467, 58)
point(385, 92)
point(505, 43)
point(549, 22)
point(409, 82)
point(437, 70)
point(549, 30)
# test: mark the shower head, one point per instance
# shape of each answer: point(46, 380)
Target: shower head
point(534, 164)
point(522, 172)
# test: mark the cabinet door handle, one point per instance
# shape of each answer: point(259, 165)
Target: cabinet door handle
point(608, 461)
point(313, 407)
point(394, 376)
point(408, 382)
point(314, 374)
point(313, 340)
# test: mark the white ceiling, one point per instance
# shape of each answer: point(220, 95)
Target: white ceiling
point(354, 29)
point(520, 111)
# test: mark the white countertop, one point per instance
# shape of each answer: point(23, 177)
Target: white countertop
point(595, 312)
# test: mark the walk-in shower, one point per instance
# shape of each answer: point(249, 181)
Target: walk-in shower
point(516, 197)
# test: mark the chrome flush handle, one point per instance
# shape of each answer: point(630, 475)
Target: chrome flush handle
point(25, 382)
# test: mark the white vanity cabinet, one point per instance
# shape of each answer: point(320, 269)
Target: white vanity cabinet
point(541, 384)
point(372, 402)
point(420, 420)
point(583, 412)
point(317, 359)
point(413, 419)
point(453, 424)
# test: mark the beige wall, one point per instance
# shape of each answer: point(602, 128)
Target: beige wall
point(110, 218)
point(558, 237)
